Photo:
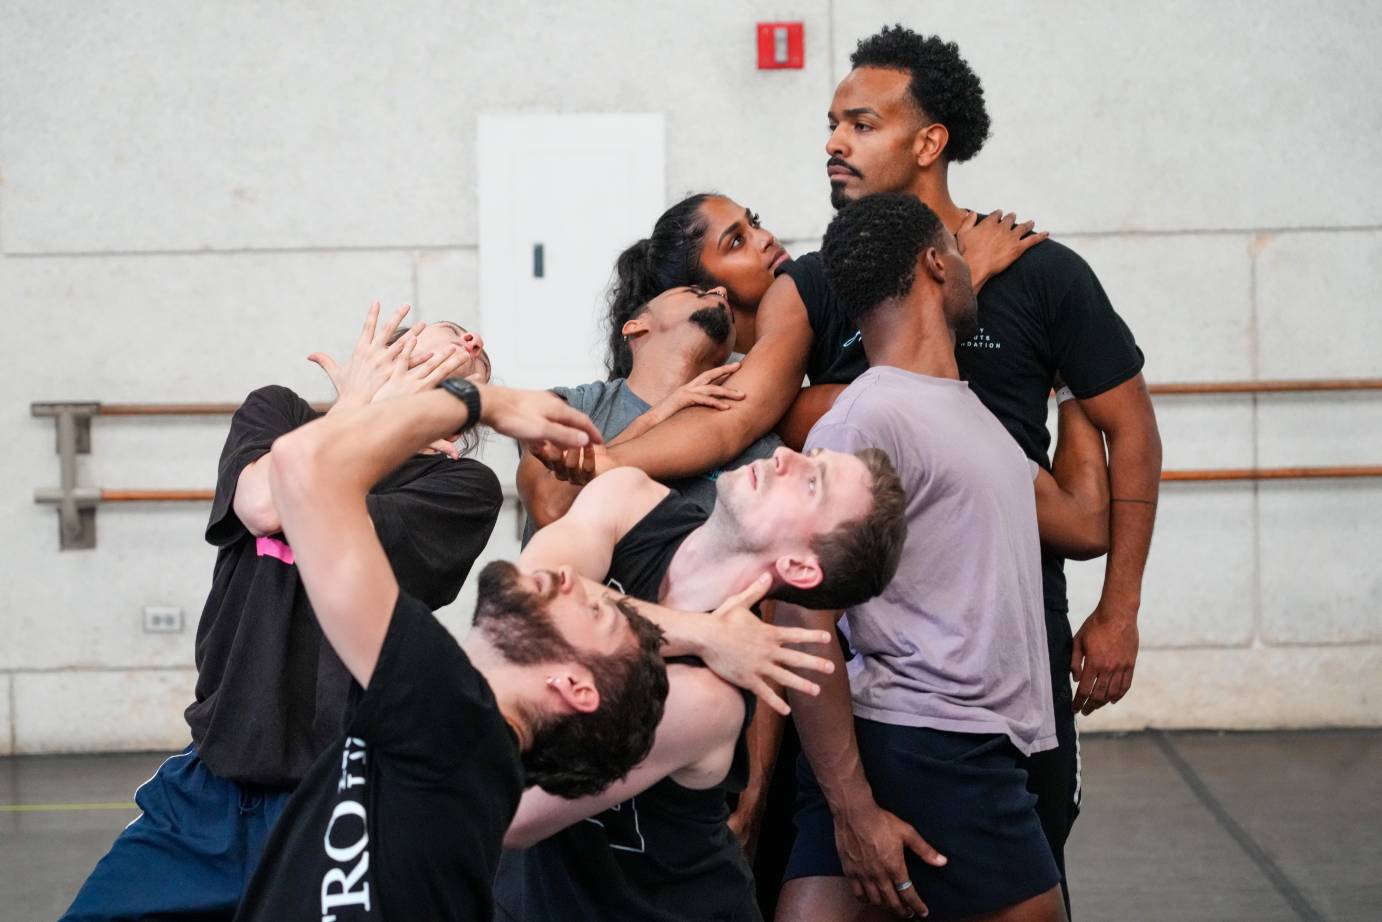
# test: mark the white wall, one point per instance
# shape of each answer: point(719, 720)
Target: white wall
point(195, 196)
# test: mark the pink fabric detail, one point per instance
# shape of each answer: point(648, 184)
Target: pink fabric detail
point(272, 547)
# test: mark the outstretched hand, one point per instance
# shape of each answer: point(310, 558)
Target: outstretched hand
point(744, 651)
point(535, 416)
point(995, 243)
point(373, 362)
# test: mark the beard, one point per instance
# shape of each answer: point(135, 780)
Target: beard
point(514, 620)
point(715, 322)
point(838, 198)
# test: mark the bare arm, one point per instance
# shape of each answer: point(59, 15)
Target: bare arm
point(585, 536)
point(764, 741)
point(544, 496)
point(1072, 501)
point(694, 744)
point(871, 841)
point(1106, 644)
point(700, 438)
point(322, 471)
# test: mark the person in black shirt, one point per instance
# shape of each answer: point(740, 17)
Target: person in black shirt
point(819, 529)
point(403, 816)
point(270, 693)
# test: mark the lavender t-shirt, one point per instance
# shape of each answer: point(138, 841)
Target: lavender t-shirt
point(958, 639)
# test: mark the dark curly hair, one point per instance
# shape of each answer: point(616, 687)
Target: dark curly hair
point(670, 258)
point(871, 247)
point(575, 755)
point(943, 85)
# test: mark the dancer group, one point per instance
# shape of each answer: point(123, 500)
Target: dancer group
point(719, 562)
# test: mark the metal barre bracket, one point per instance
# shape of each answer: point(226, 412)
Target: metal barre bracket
point(76, 505)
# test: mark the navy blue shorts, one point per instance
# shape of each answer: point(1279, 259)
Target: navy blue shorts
point(191, 851)
point(967, 796)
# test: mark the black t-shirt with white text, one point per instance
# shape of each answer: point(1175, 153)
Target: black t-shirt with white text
point(402, 819)
point(1046, 313)
point(271, 693)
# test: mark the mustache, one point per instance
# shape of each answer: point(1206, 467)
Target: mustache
point(836, 161)
point(714, 321)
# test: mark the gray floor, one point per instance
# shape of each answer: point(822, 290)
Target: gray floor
point(1183, 826)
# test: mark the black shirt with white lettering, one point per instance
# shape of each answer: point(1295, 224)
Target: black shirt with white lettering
point(402, 819)
point(1046, 313)
point(271, 694)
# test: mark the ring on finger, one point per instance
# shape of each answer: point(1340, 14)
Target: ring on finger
point(903, 887)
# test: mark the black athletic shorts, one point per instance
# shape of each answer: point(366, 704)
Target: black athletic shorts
point(967, 796)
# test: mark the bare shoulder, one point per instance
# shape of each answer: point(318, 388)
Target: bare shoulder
point(625, 491)
point(706, 711)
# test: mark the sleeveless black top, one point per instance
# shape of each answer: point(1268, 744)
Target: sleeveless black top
point(665, 855)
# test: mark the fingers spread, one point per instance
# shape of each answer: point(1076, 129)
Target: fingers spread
point(793, 681)
point(388, 330)
point(769, 697)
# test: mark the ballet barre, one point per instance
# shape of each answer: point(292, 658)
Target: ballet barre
point(76, 504)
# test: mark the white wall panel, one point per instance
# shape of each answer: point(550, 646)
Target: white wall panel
point(1131, 116)
point(102, 711)
point(1321, 582)
point(1252, 688)
point(1317, 304)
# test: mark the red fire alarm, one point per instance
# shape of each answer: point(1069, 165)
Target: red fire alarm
point(780, 45)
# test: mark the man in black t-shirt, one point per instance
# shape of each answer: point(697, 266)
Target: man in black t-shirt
point(270, 693)
point(656, 847)
point(403, 817)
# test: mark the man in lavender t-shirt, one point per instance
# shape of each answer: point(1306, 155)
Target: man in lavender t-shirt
point(950, 687)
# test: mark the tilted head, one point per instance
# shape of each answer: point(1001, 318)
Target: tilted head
point(595, 720)
point(441, 335)
point(686, 323)
point(829, 524)
point(892, 250)
point(911, 103)
point(703, 241)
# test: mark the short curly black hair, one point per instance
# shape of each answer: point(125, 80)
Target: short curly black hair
point(871, 247)
point(943, 84)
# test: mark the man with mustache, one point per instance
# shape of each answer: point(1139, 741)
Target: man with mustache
point(680, 341)
point(909, 108)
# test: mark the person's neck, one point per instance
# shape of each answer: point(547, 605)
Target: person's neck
point(745, 330)
point(505, 681)
point(657, 374)
point(701, 574)
point(910, 337)
point(933, 188)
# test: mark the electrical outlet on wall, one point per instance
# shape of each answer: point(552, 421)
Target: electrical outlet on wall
point(162, 619)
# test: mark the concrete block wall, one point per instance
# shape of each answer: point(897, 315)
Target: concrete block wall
point(193, 197)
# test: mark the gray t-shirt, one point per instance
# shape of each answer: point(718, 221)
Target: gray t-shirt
point(957, 641)
point(612, 406)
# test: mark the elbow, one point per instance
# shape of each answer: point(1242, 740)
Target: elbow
point(260, 516)
point(296, 466)
point(1092, 538)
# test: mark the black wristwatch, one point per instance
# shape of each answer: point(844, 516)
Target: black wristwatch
point(467, 393)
